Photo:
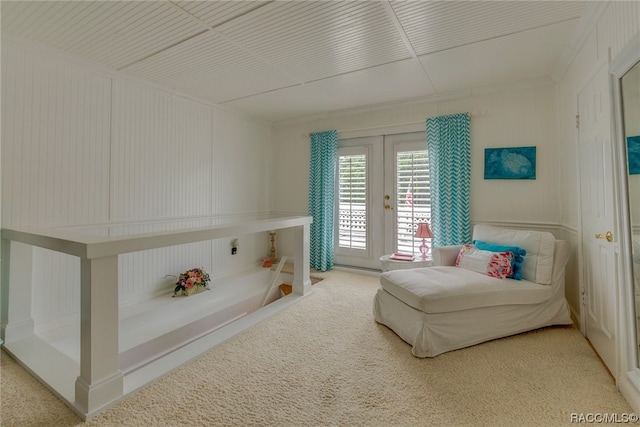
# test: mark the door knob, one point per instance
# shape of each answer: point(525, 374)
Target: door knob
point(387, 207)
point(607, 236)
point(386, 197)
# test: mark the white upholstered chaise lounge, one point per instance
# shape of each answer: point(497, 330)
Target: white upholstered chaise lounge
point(444, 308)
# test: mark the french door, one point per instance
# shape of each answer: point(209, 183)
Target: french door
point(382, 195)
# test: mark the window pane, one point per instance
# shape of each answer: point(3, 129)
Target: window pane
point(352, 202)
point(414, 198)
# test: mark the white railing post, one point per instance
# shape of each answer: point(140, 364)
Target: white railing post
point(100, 381)
point(17, 285)
point(301, 261)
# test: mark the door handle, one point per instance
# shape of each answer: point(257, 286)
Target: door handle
point(387, 207)
point(607, 236)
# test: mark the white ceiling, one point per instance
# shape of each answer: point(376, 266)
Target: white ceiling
point(278, 60)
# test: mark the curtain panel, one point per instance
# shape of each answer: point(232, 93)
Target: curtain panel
point(449, 147)
point(322, 183)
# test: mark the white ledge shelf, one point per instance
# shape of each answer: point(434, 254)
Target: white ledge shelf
point(82, 243)
point(110, 365)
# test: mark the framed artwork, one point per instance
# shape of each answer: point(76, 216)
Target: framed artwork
point(510, 163)
point(633, 154)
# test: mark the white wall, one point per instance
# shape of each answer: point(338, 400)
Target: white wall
point(82, 145)
point(509, 118)
point(618, 24)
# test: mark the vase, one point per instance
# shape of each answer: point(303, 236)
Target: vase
point(194, 290)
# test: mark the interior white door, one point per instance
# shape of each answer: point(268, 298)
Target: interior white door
point(599, 277)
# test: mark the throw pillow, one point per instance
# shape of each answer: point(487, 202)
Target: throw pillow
point(540, 246)
point(493, 264)
point(518, 256)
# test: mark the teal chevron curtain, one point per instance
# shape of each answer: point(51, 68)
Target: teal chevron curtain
point(322, 181)
point(449, 146)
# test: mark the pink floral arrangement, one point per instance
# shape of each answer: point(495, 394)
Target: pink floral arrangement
point(190, 279)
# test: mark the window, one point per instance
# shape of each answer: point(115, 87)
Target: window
point(352, 201)
point(413, 198)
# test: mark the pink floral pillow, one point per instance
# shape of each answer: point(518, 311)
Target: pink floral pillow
point(493, 264)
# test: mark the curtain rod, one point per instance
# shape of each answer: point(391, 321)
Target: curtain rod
point(471, 114)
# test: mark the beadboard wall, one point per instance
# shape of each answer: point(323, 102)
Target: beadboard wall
point(81, 145)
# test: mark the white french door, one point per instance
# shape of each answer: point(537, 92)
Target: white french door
point(358, 218)
point(406, 187)
point(383, 192)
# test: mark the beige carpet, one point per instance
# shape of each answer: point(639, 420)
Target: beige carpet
point(324, 361)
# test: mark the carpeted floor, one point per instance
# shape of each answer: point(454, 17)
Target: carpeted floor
point(324, 361)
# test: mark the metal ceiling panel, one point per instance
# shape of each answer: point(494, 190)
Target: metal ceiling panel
point(270, 58)
point(212, 68)
point(387, 83)
point(522, 56)
point(433, 26)
point(215, 13)
point(314, 40)
point(110, 33)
